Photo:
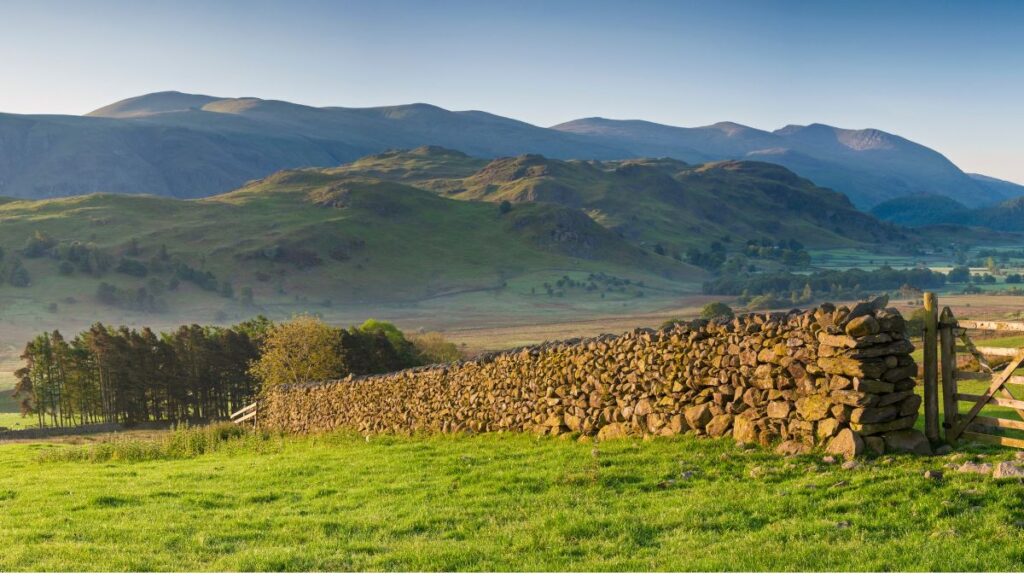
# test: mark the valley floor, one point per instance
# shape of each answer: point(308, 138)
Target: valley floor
point(501, 502)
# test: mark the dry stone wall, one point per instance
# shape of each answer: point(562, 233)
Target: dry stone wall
point(839, 378)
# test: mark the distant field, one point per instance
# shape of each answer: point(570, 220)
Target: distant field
point(501, 502)
point(10, 414)
point(844, 258)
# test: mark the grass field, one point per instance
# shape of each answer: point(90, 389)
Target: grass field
point(10, 413)
point(501, 502)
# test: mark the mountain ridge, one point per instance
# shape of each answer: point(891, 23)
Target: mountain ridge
point(827, 155)
point(194, 145)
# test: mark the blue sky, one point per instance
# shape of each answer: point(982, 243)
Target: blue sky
point(947, 74)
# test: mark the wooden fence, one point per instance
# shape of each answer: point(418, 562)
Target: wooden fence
point(996, 365)
point(245, 414)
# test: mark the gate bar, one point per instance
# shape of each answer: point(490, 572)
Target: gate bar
point(931, 381)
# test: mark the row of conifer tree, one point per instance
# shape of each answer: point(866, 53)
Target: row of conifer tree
point(192, 374)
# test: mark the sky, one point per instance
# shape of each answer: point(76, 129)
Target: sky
point(949, 75)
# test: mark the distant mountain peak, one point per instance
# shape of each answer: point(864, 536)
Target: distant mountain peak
point(153, 103)
point(730, 128)
point(854, 139)
point(788, 129)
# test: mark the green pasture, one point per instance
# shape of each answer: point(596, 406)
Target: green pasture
point(10, 414)
point(498, 502)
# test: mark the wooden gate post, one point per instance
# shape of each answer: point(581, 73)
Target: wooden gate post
point(931, 381)
point(947, 359)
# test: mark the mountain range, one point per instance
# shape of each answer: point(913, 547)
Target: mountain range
point(191, 146)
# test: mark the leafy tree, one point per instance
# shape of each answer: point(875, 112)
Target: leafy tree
point(401, 345)
point(38, 245)
point(505, 207)
point(836, 283)
point(255, 329)
point(201, 278)
point(17, 275)
point(808, 294)
point(716, 310)
point(132, 268)
point(304, 349)
point(106, 293)
point(959, 275)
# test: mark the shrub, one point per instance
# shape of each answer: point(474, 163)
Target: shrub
point(767, 301)
point(132, 268)
point(38, 245)
point(181, 443)
point(17, 275)
point(432, 348)
point(716, 310)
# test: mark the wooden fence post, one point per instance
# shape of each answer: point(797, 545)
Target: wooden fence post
point(931, 381)
point(947, 359)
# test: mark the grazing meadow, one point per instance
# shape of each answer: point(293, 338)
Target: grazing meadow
point(226, 499)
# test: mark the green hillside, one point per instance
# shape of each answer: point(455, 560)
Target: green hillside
point(649, 201)
point(928, 210)
point(304, 240)
point(922, 210)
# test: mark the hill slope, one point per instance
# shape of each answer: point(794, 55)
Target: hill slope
point(922, 210)
point(648, 201)
point(1006, 216)
point(294, 241)
point(190, 146)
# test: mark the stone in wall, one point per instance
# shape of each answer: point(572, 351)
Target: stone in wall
point(838, 378)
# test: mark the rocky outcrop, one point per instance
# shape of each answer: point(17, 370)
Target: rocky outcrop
point(839, 378)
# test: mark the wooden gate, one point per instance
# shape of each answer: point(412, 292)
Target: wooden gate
point(996, 365)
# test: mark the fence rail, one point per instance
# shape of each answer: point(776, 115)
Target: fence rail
point(997, 366)
point(246, 414)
